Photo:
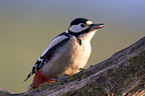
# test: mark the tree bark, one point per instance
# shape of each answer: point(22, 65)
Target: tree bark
point(123, 74)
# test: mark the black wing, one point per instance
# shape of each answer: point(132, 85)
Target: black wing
point(46, 57)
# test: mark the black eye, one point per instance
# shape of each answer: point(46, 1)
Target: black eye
point(82, 25)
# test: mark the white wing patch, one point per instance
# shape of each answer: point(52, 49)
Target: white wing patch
point(54, 42)
point(41, 61)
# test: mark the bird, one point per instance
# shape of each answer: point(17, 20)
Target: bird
point(66, 53)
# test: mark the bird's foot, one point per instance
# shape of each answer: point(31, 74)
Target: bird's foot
point(52, 80)
point(60, 78)
point(63, 78)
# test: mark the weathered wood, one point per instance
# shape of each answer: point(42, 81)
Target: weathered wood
point(123, 74)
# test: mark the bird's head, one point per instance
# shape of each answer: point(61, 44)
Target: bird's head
point(81, 26)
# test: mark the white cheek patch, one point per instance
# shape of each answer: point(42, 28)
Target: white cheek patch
point(77, 28)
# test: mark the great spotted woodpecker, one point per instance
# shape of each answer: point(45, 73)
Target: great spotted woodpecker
point(67, 52)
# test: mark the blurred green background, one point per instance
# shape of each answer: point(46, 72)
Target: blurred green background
point(28, 26)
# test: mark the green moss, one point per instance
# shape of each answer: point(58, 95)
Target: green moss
point(116, 79)
point(78, 76)
point(91, 89)
point(60, 81)
point(112, 81)
point(137, 63)
point(127, 73)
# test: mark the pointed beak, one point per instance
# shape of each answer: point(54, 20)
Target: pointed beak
point(96, 26)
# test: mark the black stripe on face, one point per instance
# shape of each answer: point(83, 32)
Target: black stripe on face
point(79, 33)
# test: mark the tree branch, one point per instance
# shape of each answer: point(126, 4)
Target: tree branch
point(123, 74)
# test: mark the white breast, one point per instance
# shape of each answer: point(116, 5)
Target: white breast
point(69, 58)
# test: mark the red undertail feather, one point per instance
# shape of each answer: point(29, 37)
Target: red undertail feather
point(39, 79)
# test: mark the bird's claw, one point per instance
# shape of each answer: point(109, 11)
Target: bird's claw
point(63, 77)
point(60, 77)
point(52, 80)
